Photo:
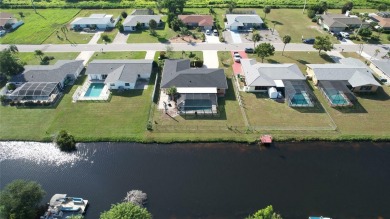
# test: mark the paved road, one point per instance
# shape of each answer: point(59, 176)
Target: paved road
point(369, 49)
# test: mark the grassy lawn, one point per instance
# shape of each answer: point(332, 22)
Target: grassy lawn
point(119, 55)
point(353, 55)
point(30, 59)
point(37, 27)
point(181, 55)
point(111, 34)
point(123, 118)
point(143, 36)
point(58, 37)
point(299, 58)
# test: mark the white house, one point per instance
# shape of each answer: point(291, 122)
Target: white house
point(142, 17)
point(243, 21)
point(340, 22)
point(119, 74)
point(94, 21)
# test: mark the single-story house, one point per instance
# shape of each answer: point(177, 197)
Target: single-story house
point(383, 19)
point(7, 18)
point(278, 80)
point(243, 21)
point(119, 74)
point(338, 81)
point(340, 22)
point(94, 21)
point(43, 82)
point(198, 88)
point(142, 17)
point(204, 21)
point(382, 68)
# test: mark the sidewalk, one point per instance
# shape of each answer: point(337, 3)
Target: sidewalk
point(150, 54)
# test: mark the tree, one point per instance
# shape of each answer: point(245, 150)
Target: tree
point(264, 50)
point(126, 210)
point(176, 23)
point(365, 32)
point(172, 91)
point(65, 141)
point(9, 63)
point(265, 213)
point(382, 7)
point(153, 27)
point(174, 6)
point(267, 10)
point(39, 53)
point(255, 38)
point(159, 5)
point(231, 6)
point(286, 40)
point(7, 26)
point(64, 30)
point(124, 14)
point(21, 14)
point(20, 199)
point(348, 5)
point(322, 44)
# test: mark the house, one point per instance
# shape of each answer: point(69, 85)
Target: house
point(340, 22)
point(119, 74)
point(198, 88)
point(94, 22)
point(141, 17)
point(277, 80)
point(382, 68)
point(206, 22)
point(338, 81)
point(383, 19)
point(7, 18)
point(45, 82)
point(243, 21)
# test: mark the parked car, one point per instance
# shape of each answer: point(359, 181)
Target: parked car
point(215, 32)
point(208, 32)
point(2, 33)
point(251, 30)
point(308, 41)
point(249, 50)
point(237, 57)
point(345, 35)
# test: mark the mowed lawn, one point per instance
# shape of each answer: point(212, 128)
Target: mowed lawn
point(30, 59)
point(119, 55)
point(181, 55)
point(143, 36)
point(123, 118)
point(37, 27)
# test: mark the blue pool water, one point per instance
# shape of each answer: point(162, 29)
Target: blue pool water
point(299, 99)
point(338, 99)
point(94, 90)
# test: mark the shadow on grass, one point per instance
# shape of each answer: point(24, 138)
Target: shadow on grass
point(356, 108)
point(128, 93)
point(272, 61)
point(326, 57)
point(303, 62)
point(379, 95)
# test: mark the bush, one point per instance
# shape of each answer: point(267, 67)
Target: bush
point(106, 38)
point(124, 14)
point(65, 141)
point(311, 13)
point(375, 37)
point(162, 55)
point(221, 39)
point(121, 28)
point(149, 126)
point(197, 63)
point(352, 37)
point(388, 37)
point(11, 86)
point(314, 19)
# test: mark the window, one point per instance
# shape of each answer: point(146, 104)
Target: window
point(104, 77)
point(127, 84)
point(261, 88)
point(112, 84)
point(367, 88)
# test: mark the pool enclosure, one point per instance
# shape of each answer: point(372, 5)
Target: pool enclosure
point(337, 93)
point(298, 94)
point(197, 103)
point(36, 91)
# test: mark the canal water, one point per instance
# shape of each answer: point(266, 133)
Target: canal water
point(340, 180)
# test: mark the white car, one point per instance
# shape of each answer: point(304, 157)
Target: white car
point(344, 34)
point(208, 32)
point(237, 57)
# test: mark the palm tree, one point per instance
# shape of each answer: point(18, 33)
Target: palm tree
point(267, 10)
point(39, 53)
point(255, 38)
point(286, 39)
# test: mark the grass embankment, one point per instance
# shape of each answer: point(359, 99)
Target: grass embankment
point(30, 59)
point(38, 26)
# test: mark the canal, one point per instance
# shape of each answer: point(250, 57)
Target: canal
point(224, 180)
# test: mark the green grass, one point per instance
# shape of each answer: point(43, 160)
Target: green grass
point(37, 27)
point(118, 55)
point(111, 34)
point(30, 59)
point(143, 36)
point(353, 55)
point(180, 55)
point(299, 58)
point(58, 37)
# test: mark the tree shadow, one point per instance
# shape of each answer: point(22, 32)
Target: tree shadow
point(326, 57)
point(39, 14)
point(303, 62)
point(272, 61)
point(127, 93)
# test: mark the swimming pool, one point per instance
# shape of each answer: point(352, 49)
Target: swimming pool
point(94, 90)
point(299, 99)
point(336, 98)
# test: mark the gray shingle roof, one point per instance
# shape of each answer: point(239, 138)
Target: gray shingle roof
point(260, 74)
point(177, 72)
point(132, 20)
point(340, 20)
point(48, 73)
point(241, 19)
point(93, 19)
point(351, 70)
point(383, 65)
point(120, 70)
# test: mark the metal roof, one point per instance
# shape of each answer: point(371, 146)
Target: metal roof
point(93, 19)
point(34, 89)
point(241, 19)
point(132, 20)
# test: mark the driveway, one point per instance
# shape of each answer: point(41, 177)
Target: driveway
point(95, 38)
point(210, 59)
point(237, 66)
point(85, 55)
point(346, 41)
point(235, 37)
point(121, 38)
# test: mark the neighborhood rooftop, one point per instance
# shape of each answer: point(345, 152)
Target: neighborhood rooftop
point(383, 65)
point(241, 19)
point(178, 73)
point(340, 20)
point(93, 19)
point(133, 20)
point(201, 20)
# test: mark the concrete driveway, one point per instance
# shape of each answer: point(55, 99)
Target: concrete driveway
point(235, 37)
point(210, 59)
point(212, 39)
point(121, 38)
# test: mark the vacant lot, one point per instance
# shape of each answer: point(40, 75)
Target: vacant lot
point(37, 27)
point(30, 59)
point(118, 55)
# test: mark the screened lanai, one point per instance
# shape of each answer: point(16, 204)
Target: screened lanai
point(298, 94)
point(43, 91)
point(337, 93)
point(197, 103)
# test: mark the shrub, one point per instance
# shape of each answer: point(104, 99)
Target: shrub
point(11, 86)
point(149, 126)
point(106, 38)
point(388, 37)
point(12, 103)
point(65, 141)
point(162, 55)
point(375, 37)
point(124, 14)
point(311, 13)
point(352, 37)
point(2, 98)
point(314, 19)
point(221, 39)
point(121, 28)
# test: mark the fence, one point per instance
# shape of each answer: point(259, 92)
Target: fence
point(240, 102)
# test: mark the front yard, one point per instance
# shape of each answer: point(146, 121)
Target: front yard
point(30, 59)
point(118, 55)
point(143, 36)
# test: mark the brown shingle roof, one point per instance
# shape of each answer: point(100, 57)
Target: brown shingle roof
point(383, 22)
point(202, 20)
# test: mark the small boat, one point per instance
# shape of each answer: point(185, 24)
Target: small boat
point(319, 217)
point(61, 206)
point(266, 140)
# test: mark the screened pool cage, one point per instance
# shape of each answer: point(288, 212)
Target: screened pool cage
point(337, 93)
point(34, 91)
point(298, 94)
point(197, 104)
